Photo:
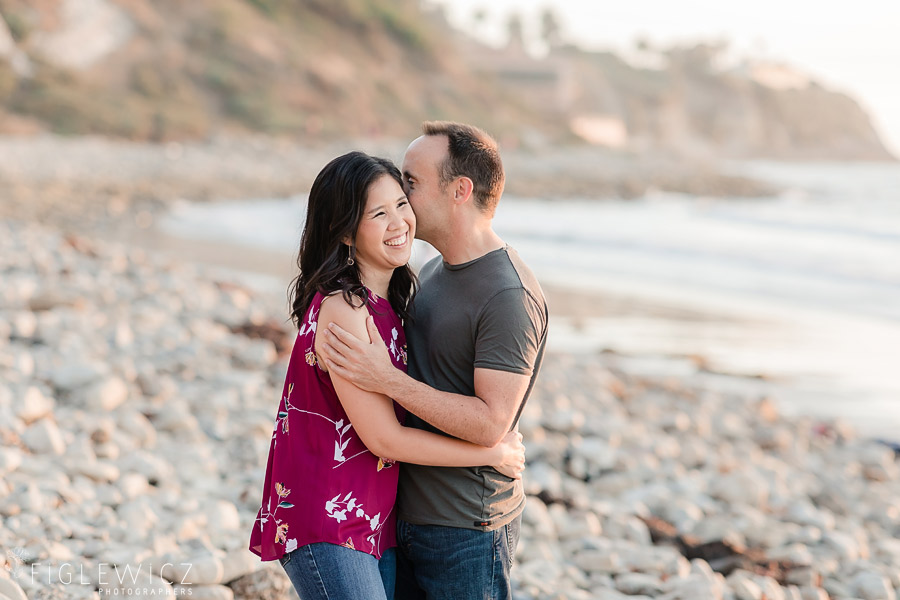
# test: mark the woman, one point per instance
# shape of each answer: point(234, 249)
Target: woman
point(327, 508)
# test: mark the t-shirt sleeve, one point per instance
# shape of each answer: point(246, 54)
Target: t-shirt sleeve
point(510, 332)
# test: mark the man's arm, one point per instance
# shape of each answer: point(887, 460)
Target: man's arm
point(482, 419)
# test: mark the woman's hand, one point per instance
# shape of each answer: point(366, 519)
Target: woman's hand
point(510, 455)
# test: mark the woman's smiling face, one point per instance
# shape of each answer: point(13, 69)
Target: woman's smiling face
point(385, 234)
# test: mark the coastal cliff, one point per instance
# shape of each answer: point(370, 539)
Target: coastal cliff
point(312, 70)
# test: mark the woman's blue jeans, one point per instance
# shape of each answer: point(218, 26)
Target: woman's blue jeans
point(326, 571)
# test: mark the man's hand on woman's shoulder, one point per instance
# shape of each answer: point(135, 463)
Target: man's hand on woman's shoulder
point(366, 363)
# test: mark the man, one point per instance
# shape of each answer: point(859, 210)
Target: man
point(475, 344)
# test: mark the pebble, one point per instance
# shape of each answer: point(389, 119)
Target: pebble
point(34, 405)
point(72, 376)
point(797, 554)
point(197, 570)
point(223, 515)
point(598, 561)
point(872, 586)
point(808, 592)
point(11, 590)
point(10, 459)
point(745, 589)
point(103, 395)
point(44, 437)
point(692, 587)
point(634, 584)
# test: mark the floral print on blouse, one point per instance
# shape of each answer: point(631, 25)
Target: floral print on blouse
point(322, 483)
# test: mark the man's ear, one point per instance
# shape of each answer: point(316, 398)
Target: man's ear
point(463, 190)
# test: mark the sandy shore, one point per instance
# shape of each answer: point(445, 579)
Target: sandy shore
point(94, 182)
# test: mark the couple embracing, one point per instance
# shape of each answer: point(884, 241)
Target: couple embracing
point(395, 466)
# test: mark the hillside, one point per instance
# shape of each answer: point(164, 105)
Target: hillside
point(752, 110)
point(167, 69)
point(684, 100)
point(314, 70)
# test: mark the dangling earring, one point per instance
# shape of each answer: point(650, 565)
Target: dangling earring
point(350, 260)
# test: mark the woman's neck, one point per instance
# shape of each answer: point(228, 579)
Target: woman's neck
point(377, 282)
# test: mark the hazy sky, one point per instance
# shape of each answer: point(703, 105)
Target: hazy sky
point(853, 48)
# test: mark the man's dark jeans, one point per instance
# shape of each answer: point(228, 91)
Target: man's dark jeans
point(455, 564)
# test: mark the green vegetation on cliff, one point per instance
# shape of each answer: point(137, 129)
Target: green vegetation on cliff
point(324, 69)
point(297, 67)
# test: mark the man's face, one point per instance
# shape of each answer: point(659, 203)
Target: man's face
point(422, 181)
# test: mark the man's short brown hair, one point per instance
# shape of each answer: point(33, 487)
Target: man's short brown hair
point(473, 154)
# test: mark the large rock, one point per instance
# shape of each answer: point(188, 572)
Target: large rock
point(72, 376)
point(744, 587)
point(10, 459)
point(100, 471)
point(599, 561)
point(803, 512)
point(268, 583)
point(541, 477)
point(693, 587)
point(741, 487)
point(808, 592)
point(843, 545)
point(238, 563)
point(137, 426)
point(579, 524)
point(23, 324)
point(223, 514)
point(797, 554)
point(538, 519)
point(44, 437)
point(34, 405)
point(139, 515)
point(10, 589)
point(872, 586)
point(639, 584)
point(628, 527)
point(104, 395)
point(202, 570)
point(255, 354)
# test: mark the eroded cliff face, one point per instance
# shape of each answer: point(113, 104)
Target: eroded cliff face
point(682, 100)
point(689, 104)
point(168, 69)
point(324, 69)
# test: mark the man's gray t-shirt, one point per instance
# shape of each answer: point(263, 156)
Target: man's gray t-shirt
point(488, 313)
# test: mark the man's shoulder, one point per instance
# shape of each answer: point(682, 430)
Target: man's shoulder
point(514, 273)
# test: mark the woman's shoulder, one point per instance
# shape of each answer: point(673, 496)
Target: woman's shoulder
point(335, 308)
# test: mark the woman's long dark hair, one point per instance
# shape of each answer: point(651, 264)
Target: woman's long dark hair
point(337, 201)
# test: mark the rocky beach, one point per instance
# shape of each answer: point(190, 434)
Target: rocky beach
point(717, 415)
point(138, 392)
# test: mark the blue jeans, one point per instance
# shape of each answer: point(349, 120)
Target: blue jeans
point(326, 571)
point(449, 563)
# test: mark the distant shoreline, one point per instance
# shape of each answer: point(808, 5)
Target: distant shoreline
point(88, 182)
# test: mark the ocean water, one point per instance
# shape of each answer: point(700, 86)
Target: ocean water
point(802, 288)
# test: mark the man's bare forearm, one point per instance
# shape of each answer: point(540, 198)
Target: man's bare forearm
point(466, 417)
